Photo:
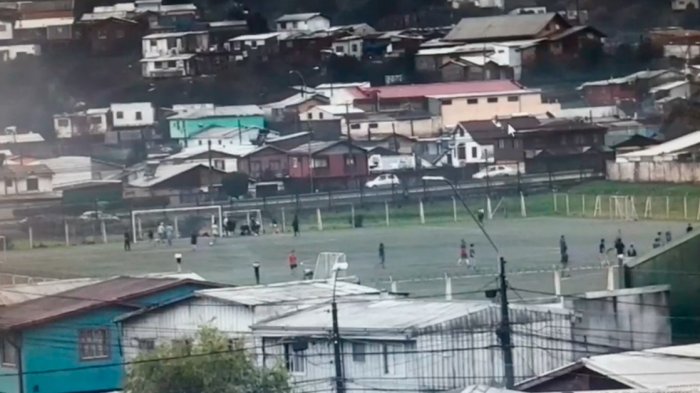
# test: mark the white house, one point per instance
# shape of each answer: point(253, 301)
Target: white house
point(172, 54)
point(348, 46)
point(685, 5)
point(223, 158)
point(231, 310)
point(378, 125)
point(471, 142)
point(412, 345)
point(11, 52)
point(94, 121)
point(133, 115)
point(6, 29)
point(25, 179)
point(311, 21)
point(169, 66)
point(328, 112)
point(223, 137)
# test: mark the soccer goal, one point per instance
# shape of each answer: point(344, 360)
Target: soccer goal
point(325, 263)
point(619, 207)
point(209, 217)
point(244, 217)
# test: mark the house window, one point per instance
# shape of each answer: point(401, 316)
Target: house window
point(220, 142)
point(446, 102)
point(595, 138)
point(3, 27)
point(492, 100)
point(146, 344)
point(295, 162)
point(101, 35)
point(33, 184)
point(63, 122)
point(354, 47)
point(201, 142)
point(9, 353)
point(94, 344)
point(309, 116)
point(475, 152)
point(236, 45)
point(339, 49)
point(139, 116)
point(472, 101)
point(171, 64)
point(120, 115)
point(253, 44)
point(283, 25)
point(501, 144)
point(8, 183)
point(154, 43)
point(358, 352)
point(295, 359)
point(513, 98)
point(349, 160)
point(373, 125)
point(275, 165)
point(320, 115)
point(319, 163)
point(95, 120)
point(354, 126)
point(220, 164)
point(461, 151)
point(255, 167)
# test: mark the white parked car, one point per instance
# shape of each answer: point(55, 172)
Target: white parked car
point(495, 171)
point(95, 215)
point(385, 180)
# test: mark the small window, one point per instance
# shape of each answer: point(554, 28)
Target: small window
point(139, 116)
point(220, 142)
point(275, 165)
point(475, 152)
point(220, 164)
point(513, 98)
point(101, 35)
point(358, 352)
point(146, 345)
point(320, 163)
point(63, 122)
point(501, 144)
point(236, 45)
point(446, 102)
point(461, 151)
point(373, 125)
point(320, 115)
point(94, 344)
point(95, 120)
point(33, 184)
point(120, 115)
point(8, 183)
point(339, 49)
point(349, 160)
point(309, 116)
point(492, 100)
point(172, 64)
point(253, 44)
point(201, 142)
point(3, 27)
point(9, 354)
point(295, 359)
point(354, 47)
point(256, 167)
point(354, 126)
point(295, 162)
point(472, 101)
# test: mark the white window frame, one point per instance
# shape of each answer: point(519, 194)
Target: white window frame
point(359, 351)
point(295, 360)
point(91, 346)
point(9, 349)
point(38, 185)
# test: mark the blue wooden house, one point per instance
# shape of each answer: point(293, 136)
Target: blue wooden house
point(188, 123)
point(69, 342)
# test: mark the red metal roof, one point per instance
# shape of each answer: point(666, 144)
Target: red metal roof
point(437, 89)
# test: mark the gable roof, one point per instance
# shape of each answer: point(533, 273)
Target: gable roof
point(167, 171)
point(301, 17)
point(219, 111)
point(439, 89)
point(636, 140)
point(120, 290)
point(316, 147)
point(23, 171)
point(501, 26)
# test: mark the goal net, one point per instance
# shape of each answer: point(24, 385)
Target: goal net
point(623, 208)
point(177, 222)
point(239, 219)
point(325, 263)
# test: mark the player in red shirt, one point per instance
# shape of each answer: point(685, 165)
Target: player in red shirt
point(292, 261)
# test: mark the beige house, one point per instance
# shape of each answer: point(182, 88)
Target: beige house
point(455, 108)
point(25, 179)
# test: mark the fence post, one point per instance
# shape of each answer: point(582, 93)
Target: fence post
point(319, 219)
point(394, 286)
point(448, 287)
point(66, 229)
point(454, 208)
point(568, 212)
point(668, 207)
point(31, 238)
point(103, 228)
point(352, 215)
point(611, 278)
point(583, 205)
point(386, 212)
point(489, 211)
point(176, 227)
point(557, 283)
point(284, 221)
point(421, 211)
point(554, 198)
point(139, 229)
point(523, 208)
point(685, 207)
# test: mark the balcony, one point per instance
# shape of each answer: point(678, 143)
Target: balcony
point(167, 73)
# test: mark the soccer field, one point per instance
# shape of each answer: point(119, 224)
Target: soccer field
point(416, 256)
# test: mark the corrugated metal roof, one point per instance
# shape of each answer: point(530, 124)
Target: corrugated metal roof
point(297, 17)
point(165, 172)
point(390, 314)
point(45, 309)
point(295, 291)
point(173, 34)
point(22, 171)
point(313, 147)
point(669, 147)
point(14, 294)
point(43, 22)
point(501, 26)
point(641, 75)
point(255, 37)
point(220, 111)
point(440, 89)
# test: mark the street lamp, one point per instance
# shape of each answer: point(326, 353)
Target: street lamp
point(339, 383)
point(303, 81)
point(504, 331)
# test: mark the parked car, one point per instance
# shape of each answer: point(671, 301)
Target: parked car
point(385, 180)
point(97, 215)
point(495, 171)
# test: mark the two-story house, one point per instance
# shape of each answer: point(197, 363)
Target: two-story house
point(310, 21)
point(255, 47)
point(172, 54)
point(69, 342)
point(266, 163)
point(328, 164)
point(132, 121)
point(94, 121)
point(189, 122)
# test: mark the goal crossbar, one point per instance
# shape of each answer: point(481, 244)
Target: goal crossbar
point(136, 213)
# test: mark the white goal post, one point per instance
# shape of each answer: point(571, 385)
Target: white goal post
point(325, 263)
point(137, 230)
point(247, 213)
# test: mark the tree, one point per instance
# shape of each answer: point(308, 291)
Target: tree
point(235, 184)
point(206, 364)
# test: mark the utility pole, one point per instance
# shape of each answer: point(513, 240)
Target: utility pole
point(211, 169)
point(339, 383)
point(504, 332)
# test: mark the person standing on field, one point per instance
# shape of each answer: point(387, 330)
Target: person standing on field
point(127, 241)
point(463, 256)
point(292, 260)
point(382, 255)
point(295, 226)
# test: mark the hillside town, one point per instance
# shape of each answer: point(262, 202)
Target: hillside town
point(208, 125)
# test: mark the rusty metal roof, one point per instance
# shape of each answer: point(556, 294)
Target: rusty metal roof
point(119, 290)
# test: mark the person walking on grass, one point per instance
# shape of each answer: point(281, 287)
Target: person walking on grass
point(193, 240)
point(631, 252)
point(292, 260)
point(471, 262)
point(564, 253)
point(295, 226)
point(463, 256)
point(668, 237)
point(689, 228)
point(127, 241)
point(382, 255)
point(601, 247)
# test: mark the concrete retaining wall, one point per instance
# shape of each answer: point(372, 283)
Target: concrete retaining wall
point(654, 172)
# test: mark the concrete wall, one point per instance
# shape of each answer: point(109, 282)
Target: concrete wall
point(654, 172)
point(676, 265)
point(626, 319)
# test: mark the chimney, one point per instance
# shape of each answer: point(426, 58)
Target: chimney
point(150, 170)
